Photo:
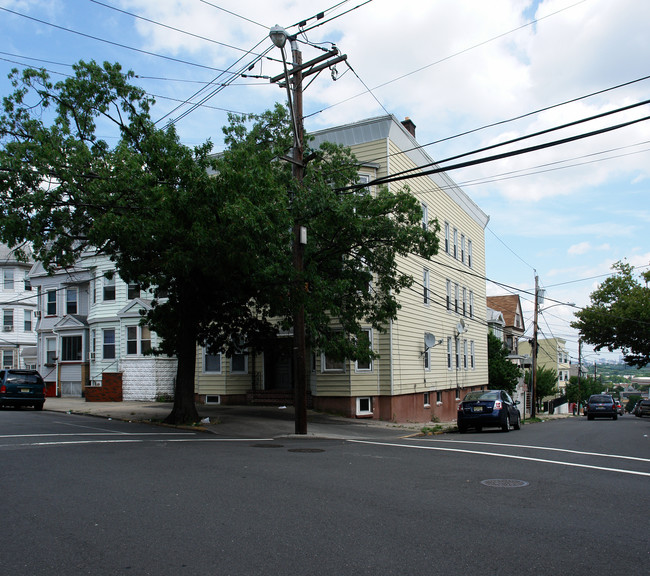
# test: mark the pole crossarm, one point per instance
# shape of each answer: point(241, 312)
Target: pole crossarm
point(337, 57)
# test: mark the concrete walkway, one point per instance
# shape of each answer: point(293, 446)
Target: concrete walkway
point(243, 421)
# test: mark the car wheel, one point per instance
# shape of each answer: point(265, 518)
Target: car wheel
point(38, 406)
point(590, 417)
point(479, 428)
point(517, 425)
point(506, 425)
point(462, 429)
point(615, 417)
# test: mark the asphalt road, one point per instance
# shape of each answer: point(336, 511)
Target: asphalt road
point(83, 495)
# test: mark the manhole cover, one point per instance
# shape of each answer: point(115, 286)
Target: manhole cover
point(306, 450)
point(267, 446)
point(504, 483)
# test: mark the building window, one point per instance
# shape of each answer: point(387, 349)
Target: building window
point(472, 357)
point(51, 302)
point(8, 279)
point(455, 243)
point(449, 295)
point(133, 291)
point(465, 354)
point(469, 253)
point(28, 320)
point(427, 399)
point(464, 301)
point(449, 353)
point(361, 365)
point(239, 363)
point(330, 364)
point(425, 286)
point(109, 344)
point(425, 217)
point(109, 288)
point(8, 320)
point(462, 248)
point(71, 349)
point(364, 406)
point(456, 297)
point(71, 297)
point(211, 362)
point(457, 354)
point(427, 355)
point(471, 304)
point(7, 358)
point(438, 397)
point(447, 237)
point(138, 340)
point(28, 283)
point(50, 351)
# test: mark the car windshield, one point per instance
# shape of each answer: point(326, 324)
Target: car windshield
point(600, 399)
point(26, 378)
point(481, 395)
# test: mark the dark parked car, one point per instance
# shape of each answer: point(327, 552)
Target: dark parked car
point(484, 408)
point(21, 388)
point(601, 405)
point(642, 408)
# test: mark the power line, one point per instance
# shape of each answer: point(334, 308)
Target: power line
point(496, 156)
point(119, 45)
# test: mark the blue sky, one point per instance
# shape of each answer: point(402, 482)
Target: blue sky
point(566, 213)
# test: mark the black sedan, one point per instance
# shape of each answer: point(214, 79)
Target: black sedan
point(601, 405)
point(21, 388)
point(488, 408)
point(642, 408)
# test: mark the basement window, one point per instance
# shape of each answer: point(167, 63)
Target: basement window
point(364, 406)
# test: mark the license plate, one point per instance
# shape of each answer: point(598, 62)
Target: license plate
point(477, 409)
point(25, 390)
point(600, 407)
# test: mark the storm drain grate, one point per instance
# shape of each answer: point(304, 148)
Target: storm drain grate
point(504, 483)
point(306, 450)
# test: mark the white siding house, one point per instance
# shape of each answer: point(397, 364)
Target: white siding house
point(17, 312)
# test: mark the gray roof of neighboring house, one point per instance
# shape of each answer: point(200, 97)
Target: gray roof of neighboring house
point(8, 255)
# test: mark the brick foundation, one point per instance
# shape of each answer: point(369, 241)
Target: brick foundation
point(109, 391)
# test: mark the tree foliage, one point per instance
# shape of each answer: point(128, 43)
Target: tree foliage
point(209, 233)
point(618, 317)
point(545, 384)
point(588, 386)
point(502, 374)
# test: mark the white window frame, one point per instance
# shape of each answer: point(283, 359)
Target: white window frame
point(68, 300)
point(425, 216)
point(7, 359)
point(49, 301)
point(471, 304)
point(243, 353)
point(109, 287)
point(450, 353)
point(27, 314)
point(456, 243)
point(469, 253)
point(465, 366)
point(447, 237)
point(50, 351)
point(364, 406)
point(142, 340)
point(8, 279)
point(207, 355)
point(448, 295)
point(8, 320)
point(425, 285)
point(68, 337)
point(105, 332)
point(472, 355)
point(367, 368)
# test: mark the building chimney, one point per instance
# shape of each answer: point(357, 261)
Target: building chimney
point(408, 124)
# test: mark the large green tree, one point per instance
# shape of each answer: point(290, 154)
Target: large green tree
point(209, 235)
point(545, 384)
point(502, 374)
point(618, 317)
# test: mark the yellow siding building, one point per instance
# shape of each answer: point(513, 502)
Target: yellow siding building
point(436, 348)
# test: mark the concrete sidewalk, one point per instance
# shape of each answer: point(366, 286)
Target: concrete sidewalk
point(243, 421)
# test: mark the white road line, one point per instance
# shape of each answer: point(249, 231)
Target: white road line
point(543, 448)
point(65, 435)
point(134, 441)
point(513, 457)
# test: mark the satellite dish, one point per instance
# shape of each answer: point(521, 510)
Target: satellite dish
point(429, 340)
point(460, 327)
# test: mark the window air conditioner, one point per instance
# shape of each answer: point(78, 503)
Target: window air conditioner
point(8, 328)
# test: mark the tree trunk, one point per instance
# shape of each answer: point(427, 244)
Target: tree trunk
point(184, 410)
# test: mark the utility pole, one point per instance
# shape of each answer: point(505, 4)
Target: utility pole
point(579, 373)
point(293, 82)
point(533, 400)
